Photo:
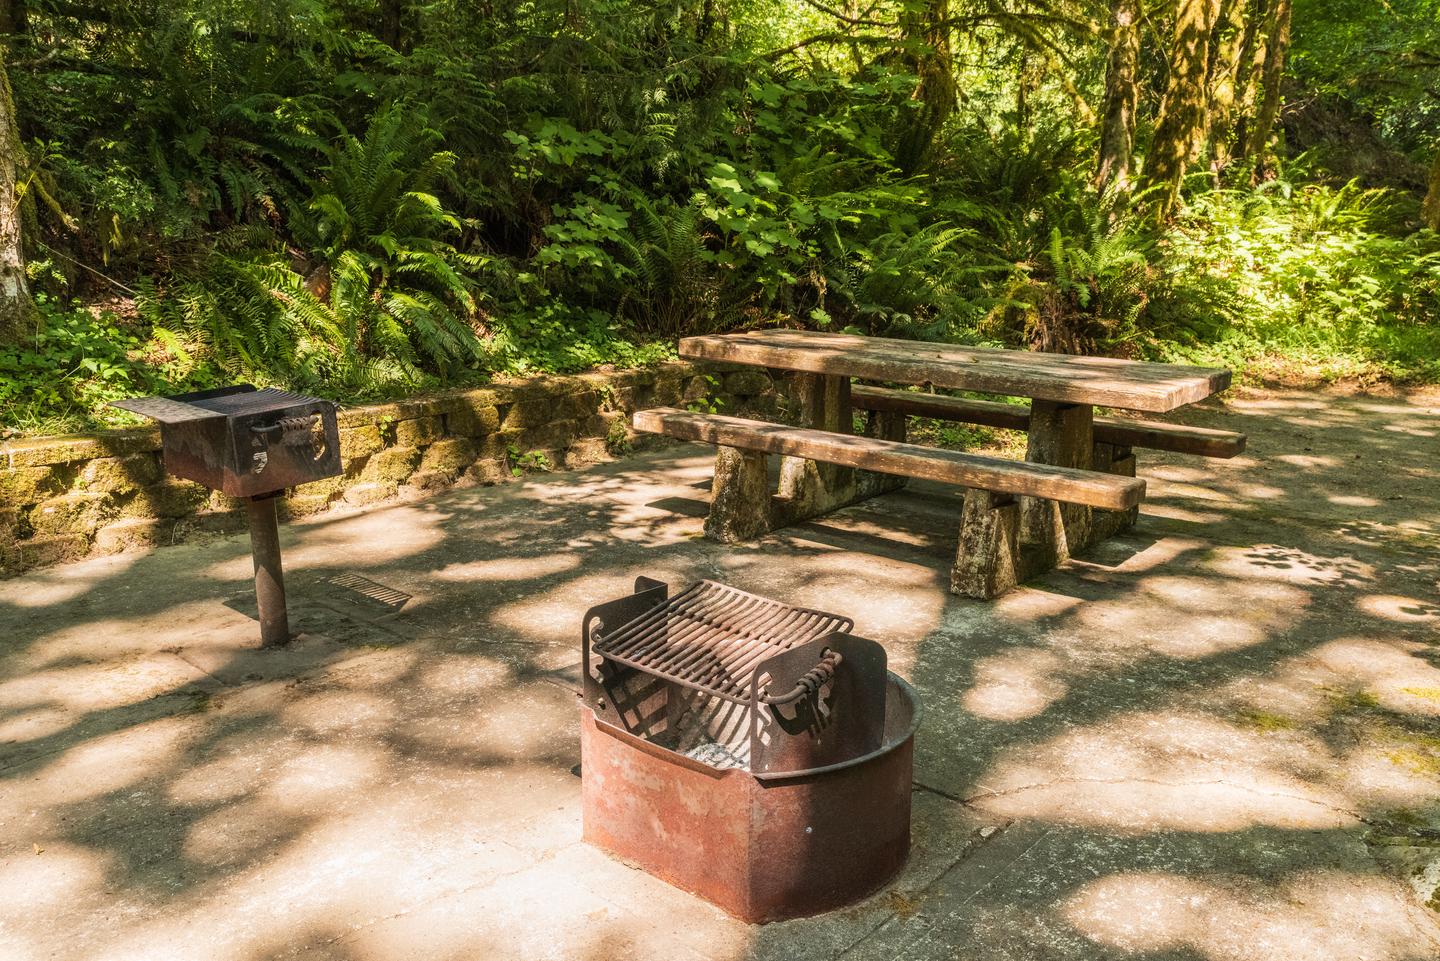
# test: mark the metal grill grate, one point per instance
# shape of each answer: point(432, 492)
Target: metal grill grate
point(251, 401)
point(711, 637)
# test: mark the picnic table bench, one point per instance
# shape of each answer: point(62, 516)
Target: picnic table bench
point(1076, 485)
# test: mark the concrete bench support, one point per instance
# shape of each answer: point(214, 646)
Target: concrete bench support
point(987, 562)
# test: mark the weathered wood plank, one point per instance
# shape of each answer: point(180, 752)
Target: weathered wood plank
point(1121, 432)
point(890, 457)
point(1063, 378)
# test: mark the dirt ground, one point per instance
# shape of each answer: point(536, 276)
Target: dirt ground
point(1217, 737)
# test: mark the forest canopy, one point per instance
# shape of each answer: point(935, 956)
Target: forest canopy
point(370, 198)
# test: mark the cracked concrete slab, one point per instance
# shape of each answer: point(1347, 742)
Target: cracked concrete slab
point(1217, 737)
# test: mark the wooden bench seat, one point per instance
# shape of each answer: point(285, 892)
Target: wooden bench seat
point(827, 469)
point(1089, 488)
point(1119, 432)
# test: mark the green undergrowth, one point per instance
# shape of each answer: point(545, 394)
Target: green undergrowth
point(1302, 284)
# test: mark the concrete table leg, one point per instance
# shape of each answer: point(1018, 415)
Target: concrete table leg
point(1050, 532)
point(987, 559)
point(809, 488)
point(1113, 459)
point(739, 497)
point(886, 425)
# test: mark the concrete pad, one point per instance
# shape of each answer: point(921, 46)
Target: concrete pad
point(1215, 737)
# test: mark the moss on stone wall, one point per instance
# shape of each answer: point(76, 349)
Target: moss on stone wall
point(62, 498)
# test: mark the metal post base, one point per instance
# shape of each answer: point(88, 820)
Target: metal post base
point(269, 577)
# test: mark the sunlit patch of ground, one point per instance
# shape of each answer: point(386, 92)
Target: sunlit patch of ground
point(1216, 737)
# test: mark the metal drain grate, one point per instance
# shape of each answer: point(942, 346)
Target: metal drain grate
point(362, 589)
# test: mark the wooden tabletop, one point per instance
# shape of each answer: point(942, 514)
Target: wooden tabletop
point(1065, 378)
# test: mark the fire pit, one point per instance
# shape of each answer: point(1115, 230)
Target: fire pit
point(753, 753)
point(251, 444)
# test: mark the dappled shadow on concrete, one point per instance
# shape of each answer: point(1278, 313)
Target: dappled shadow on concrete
point(1217, 737)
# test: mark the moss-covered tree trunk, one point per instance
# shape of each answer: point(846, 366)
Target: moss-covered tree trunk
point(17, 310)
point(1430, 210)
point(1277, 44)
point(1235, 34)
point(1122, 95)
point(1184, 108)
point(925, 29)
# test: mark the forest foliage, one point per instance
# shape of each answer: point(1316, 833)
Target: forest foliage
point(377, 196)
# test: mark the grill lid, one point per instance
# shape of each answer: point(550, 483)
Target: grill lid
point(235, 401)
point(711, 637)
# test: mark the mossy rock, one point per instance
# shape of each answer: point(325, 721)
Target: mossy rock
point(747, 383)
point(489, 470)
point(297, 504)
point(360, 441)
point(134, 533)
point(418, 432)
point(451, 455)
point(587, 451)
point(78, 513)
point(30, 485)
point(473, 421)
point(529, 413)
point(554, 435)
point(43, 451)
point(431, 480)
point(169, 498)
point(393, 464)
point(371, 493)
point(44, 551)
point(120, 475)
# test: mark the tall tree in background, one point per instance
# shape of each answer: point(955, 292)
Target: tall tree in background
point(1430, 209)
point(17, 310)
point(925, 32)
point(13, 18)
point(1277, 44)
point(1181, 124)
point(1122, 97)
point(391, 15)
point(1235, 37)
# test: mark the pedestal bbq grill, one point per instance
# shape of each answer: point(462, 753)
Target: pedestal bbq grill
point(251, 444)
point(753, 753)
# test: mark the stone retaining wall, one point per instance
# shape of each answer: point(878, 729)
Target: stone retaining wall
point(62, 498)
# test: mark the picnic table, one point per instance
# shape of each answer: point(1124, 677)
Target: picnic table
point(1076, 485)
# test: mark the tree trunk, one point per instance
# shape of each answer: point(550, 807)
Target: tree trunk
point(1430, 210)
point(14, 17)
point(1277, 43)
point(17, 310)
point(1122, 95)
point(1251, 64)
point(1234, 49)
point(390, 14)
point(1184, 107)
point(926, 33)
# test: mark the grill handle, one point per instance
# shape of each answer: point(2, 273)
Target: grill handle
point(810, 682)
point(294, 431)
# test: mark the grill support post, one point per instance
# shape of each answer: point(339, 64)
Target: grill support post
point(269, 576)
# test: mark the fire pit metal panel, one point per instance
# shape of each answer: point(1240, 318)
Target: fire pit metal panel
point(753, 753)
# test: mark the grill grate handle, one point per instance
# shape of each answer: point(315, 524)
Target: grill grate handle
point(810, 682)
